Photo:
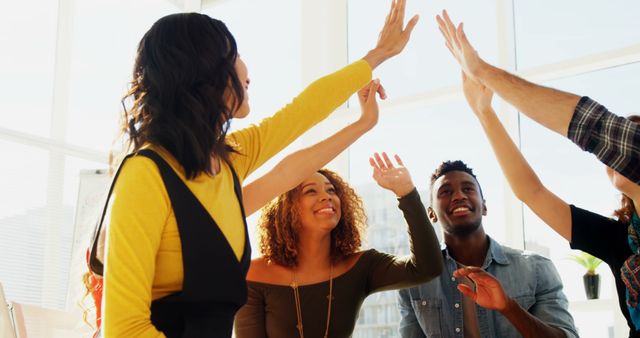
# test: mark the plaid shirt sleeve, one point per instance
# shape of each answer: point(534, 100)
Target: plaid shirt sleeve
point(614, 140)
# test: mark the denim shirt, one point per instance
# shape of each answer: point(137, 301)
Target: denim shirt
point(434, 309)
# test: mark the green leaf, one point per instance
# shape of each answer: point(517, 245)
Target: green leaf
point(586, 260)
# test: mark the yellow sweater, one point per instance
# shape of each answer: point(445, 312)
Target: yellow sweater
point(144, 253)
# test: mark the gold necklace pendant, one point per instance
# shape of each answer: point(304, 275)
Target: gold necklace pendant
point(296, 295)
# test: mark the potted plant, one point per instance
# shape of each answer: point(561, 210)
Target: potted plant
point(591, 279)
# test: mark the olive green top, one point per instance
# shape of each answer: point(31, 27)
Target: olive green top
point(270, 310)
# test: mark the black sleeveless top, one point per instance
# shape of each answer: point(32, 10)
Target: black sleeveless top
point(214, 286)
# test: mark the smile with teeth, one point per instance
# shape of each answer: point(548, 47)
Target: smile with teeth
point(328, 210)
point(460, 211)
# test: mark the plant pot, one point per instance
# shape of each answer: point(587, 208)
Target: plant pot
point(591, 285)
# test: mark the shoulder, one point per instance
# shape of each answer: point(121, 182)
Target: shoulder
point(523, 255)
point(369, 256)
point(525, 261)
point(582, 217)
point(262, 271)
point(138, 165)
point(138, 183)
point(352, 261)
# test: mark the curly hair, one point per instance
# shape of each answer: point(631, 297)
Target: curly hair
point(183, 75)
point(626, 203)
point(280, 220)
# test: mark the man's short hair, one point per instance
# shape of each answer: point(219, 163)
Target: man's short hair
point(448, 166)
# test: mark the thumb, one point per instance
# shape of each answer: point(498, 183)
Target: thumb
point(411, 24)
point(373, 89)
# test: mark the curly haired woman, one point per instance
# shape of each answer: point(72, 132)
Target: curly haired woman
point(313, 276)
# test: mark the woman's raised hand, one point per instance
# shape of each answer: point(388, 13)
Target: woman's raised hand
point(394, 35)
point(369, 103)
point(459, 46)
point(390, 177)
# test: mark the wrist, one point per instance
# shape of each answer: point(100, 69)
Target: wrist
point(375, 57)
point(484, 113)
point(404, 190)
point(482, 71)
point(509, 307)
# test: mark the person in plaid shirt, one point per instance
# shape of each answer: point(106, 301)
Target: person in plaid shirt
point(613, 139)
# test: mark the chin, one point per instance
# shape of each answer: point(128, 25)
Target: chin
point(463, 229)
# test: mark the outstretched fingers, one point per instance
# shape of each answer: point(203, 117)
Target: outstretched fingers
point(373, 164)
point(451, 28)
point(398, 159)
point(391, 17)
point(379, 162)
point(387, 160)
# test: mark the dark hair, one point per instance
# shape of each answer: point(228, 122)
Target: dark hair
point(448, 166)
point(626, 203)
point(183, 73)
point(280, 221)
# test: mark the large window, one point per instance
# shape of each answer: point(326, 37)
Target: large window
point(26, 68)
point(65, 65)
point(549, 31)
point(104, 39)
point(581, 47)
point(426, 63)
point(64, 69)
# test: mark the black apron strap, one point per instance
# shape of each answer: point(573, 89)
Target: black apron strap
point(96, 266)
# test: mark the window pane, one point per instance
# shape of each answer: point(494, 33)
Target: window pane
point(423, 139)
point(565, 170)
point(272, 52)
point(425, 63)
point(550, 31)
point(37, 225)
point(105, 39)
point(24, 218)
point(26, 67)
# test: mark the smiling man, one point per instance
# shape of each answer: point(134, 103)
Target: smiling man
point(524, 298)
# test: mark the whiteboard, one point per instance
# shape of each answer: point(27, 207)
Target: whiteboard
point(92, 191)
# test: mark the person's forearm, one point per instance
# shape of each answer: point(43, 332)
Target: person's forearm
point(423, 243)
point(294, 168)
point(550, 107)
point(523, 180)
point(528, 325)
point(424, 263)
point(301, 164)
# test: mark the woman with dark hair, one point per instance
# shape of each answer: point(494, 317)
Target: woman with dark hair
point(285, 175)
point(177, 247)
point(616, 242)
point(313, 276)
